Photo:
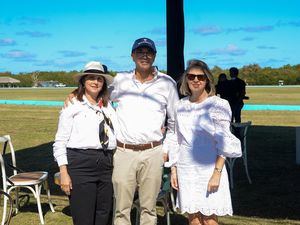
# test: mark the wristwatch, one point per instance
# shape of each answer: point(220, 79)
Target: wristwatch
point(218, 170)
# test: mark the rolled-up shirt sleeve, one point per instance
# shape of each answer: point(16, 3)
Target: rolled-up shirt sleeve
point(172, 143)
point(171, 138)
point(173, 151)
point(62, 136)
point(226, 143)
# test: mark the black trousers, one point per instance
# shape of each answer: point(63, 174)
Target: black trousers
point(236, 109)
point(92, 193)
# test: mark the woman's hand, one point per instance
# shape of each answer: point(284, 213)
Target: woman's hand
point(65, 180)
point(174, 180)
point(214, 181)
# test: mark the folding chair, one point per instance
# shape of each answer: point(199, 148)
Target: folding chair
point(166, 196)
point(34, 181)
point(240, 130)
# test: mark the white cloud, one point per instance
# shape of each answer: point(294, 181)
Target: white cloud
point(207, 30)
point(7, 42)
point(19, 55)
point(231, 49)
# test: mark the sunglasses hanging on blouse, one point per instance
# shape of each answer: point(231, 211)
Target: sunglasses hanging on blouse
point(103, 128)
point(103, 131)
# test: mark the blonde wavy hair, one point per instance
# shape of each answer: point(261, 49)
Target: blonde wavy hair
point(195, 63)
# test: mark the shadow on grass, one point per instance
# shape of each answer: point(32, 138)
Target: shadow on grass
point(32, 207)
point(67, 211)
point(275, 189)
point(274, 192)
point(38, 158)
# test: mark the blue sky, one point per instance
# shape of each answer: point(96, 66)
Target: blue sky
point(63, 34)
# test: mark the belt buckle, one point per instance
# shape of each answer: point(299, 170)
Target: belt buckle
point(140, 147)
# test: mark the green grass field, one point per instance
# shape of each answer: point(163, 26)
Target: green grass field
point(273, 95)
point(271, 199)
point(258, 95)
point(55, 94)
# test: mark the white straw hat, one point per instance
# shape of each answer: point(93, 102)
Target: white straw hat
point(94, 68)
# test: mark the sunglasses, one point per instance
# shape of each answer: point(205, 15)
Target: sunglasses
point(148, 54)
point(200, 77)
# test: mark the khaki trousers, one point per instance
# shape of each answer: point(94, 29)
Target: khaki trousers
point(132, 169)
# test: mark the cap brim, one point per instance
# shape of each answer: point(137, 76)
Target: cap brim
point(108, 78)
point(145, 45)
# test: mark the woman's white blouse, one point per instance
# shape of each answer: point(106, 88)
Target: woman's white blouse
point(78, 127)
point(212, 118)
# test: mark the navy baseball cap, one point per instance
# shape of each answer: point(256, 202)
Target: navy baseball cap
point(144, 42)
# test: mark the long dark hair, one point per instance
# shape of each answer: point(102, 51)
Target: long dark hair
point(102, 94)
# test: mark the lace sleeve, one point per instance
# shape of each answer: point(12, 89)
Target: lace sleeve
point(227, 144)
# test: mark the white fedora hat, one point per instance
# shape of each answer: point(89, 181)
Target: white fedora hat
point(94, 68)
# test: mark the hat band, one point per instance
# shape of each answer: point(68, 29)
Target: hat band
point(93, 71)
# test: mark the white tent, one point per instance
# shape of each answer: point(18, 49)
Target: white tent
point(8, 81)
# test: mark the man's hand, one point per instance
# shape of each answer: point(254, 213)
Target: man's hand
point(69, 98)
point(174, 179)
point(166, 157)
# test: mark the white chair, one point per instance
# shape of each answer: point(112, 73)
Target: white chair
point(240, 130)
point(7, 218)
point(34, 181)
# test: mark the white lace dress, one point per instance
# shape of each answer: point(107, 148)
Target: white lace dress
point(203, 132)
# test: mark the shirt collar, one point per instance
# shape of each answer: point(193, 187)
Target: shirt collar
point(86, 102)
point(155, 73)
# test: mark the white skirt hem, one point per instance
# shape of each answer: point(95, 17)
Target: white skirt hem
point(206, 211)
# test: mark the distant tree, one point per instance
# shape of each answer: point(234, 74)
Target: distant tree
point(35, 78)
point(216, 72)
point(252, 68)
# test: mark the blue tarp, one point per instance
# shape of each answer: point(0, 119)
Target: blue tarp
point(32, 102)
point(248, 107)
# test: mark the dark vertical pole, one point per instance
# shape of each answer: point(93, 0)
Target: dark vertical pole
point(175, 38)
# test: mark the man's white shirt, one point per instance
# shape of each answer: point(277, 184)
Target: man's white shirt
point(142, 108)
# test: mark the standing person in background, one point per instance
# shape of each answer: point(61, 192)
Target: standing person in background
point(144, 97)
point(84, 145)
point(203, 141)
point(222, 87)
point(237, 94)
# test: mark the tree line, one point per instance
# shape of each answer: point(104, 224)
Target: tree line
point(252, 74)
point(255, 75)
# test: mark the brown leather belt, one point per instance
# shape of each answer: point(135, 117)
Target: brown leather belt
point(139, 147)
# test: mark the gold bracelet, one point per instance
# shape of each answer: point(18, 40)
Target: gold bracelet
point(218, 170)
